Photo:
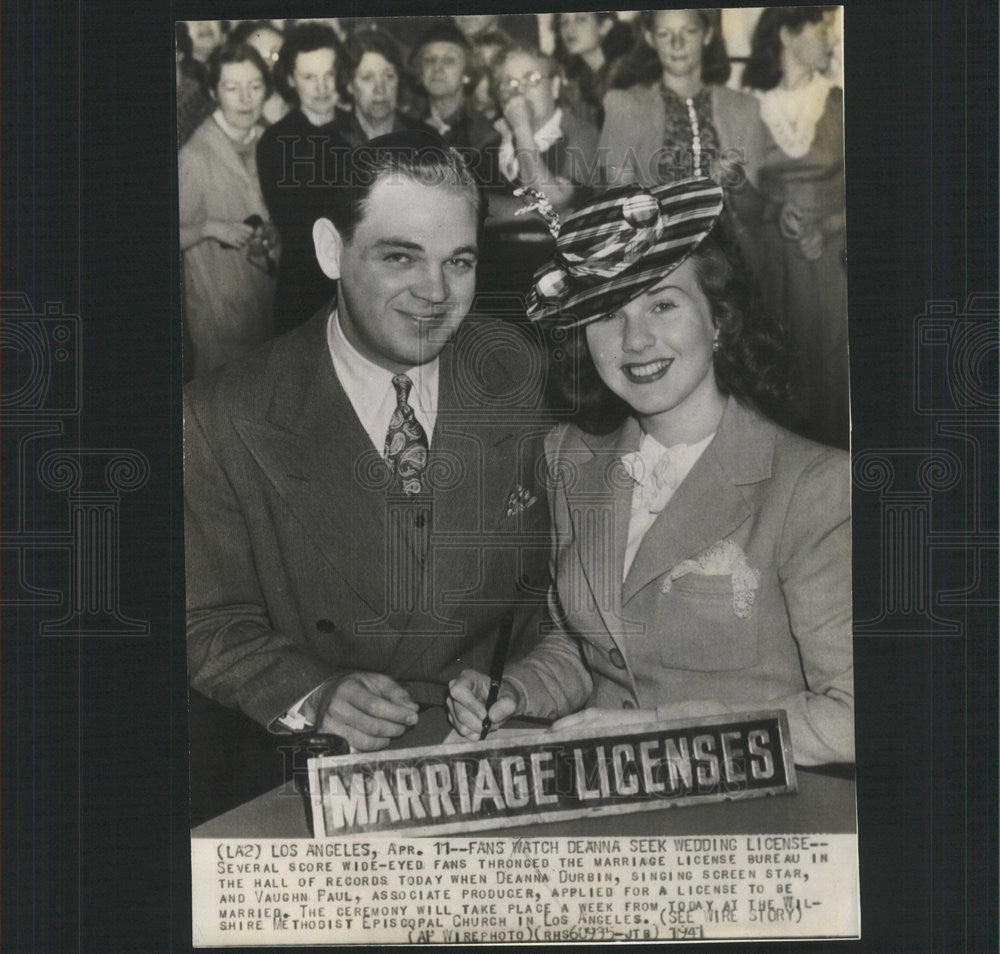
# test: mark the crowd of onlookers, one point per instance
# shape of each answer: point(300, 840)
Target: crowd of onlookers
point(566, 105)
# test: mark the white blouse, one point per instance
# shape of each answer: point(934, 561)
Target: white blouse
point(657, 472)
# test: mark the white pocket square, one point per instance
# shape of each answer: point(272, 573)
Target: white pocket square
point(725, 558)
point(520, 500)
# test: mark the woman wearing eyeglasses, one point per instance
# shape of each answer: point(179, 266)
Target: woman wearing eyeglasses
point(542, 147)
point(228, 244)
point(668, 116)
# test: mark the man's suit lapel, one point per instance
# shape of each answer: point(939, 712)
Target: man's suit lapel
point(321, 461)
point(474, 436)
point(709, 503)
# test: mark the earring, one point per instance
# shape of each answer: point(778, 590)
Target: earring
point(715, 341)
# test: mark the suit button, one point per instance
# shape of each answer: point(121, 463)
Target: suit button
point(326, 625)
point(617, 659)
point(628, 704)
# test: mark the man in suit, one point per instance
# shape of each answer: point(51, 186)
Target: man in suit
point(362, 512)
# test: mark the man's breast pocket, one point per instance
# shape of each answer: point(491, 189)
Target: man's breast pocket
point(700, 629)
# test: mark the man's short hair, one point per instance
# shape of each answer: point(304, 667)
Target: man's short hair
point(412, 154)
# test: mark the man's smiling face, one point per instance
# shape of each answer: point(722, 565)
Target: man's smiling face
point(408, 273)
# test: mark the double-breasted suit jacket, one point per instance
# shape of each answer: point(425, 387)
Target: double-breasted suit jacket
point(301, 568)
point(739, 594)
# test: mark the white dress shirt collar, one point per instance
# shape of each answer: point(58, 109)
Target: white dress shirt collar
point(439, 122)
point(370, 390)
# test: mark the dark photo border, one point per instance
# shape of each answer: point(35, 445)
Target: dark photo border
point(95, 837)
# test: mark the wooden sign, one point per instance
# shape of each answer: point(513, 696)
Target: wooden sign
point(552, 776)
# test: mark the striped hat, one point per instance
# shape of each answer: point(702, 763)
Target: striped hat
point(620, 245)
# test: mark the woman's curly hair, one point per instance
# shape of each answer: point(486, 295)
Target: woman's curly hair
point(752, 362)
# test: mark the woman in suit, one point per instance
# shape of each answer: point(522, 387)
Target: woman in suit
point(701, 552)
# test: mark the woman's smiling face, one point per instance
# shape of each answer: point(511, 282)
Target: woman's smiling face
point(655, 352)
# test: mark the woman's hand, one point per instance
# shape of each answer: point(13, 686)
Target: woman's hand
point(466, 703)
point(236, 234)
point(603, 719)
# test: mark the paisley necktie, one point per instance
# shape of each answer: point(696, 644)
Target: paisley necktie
point(405, 442)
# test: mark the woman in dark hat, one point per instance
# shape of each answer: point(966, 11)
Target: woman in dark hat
point(701, 557)
point(442, 64)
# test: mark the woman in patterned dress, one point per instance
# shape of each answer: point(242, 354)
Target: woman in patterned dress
point(669, 116)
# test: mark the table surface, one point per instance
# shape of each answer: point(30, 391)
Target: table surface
point(824, 803)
